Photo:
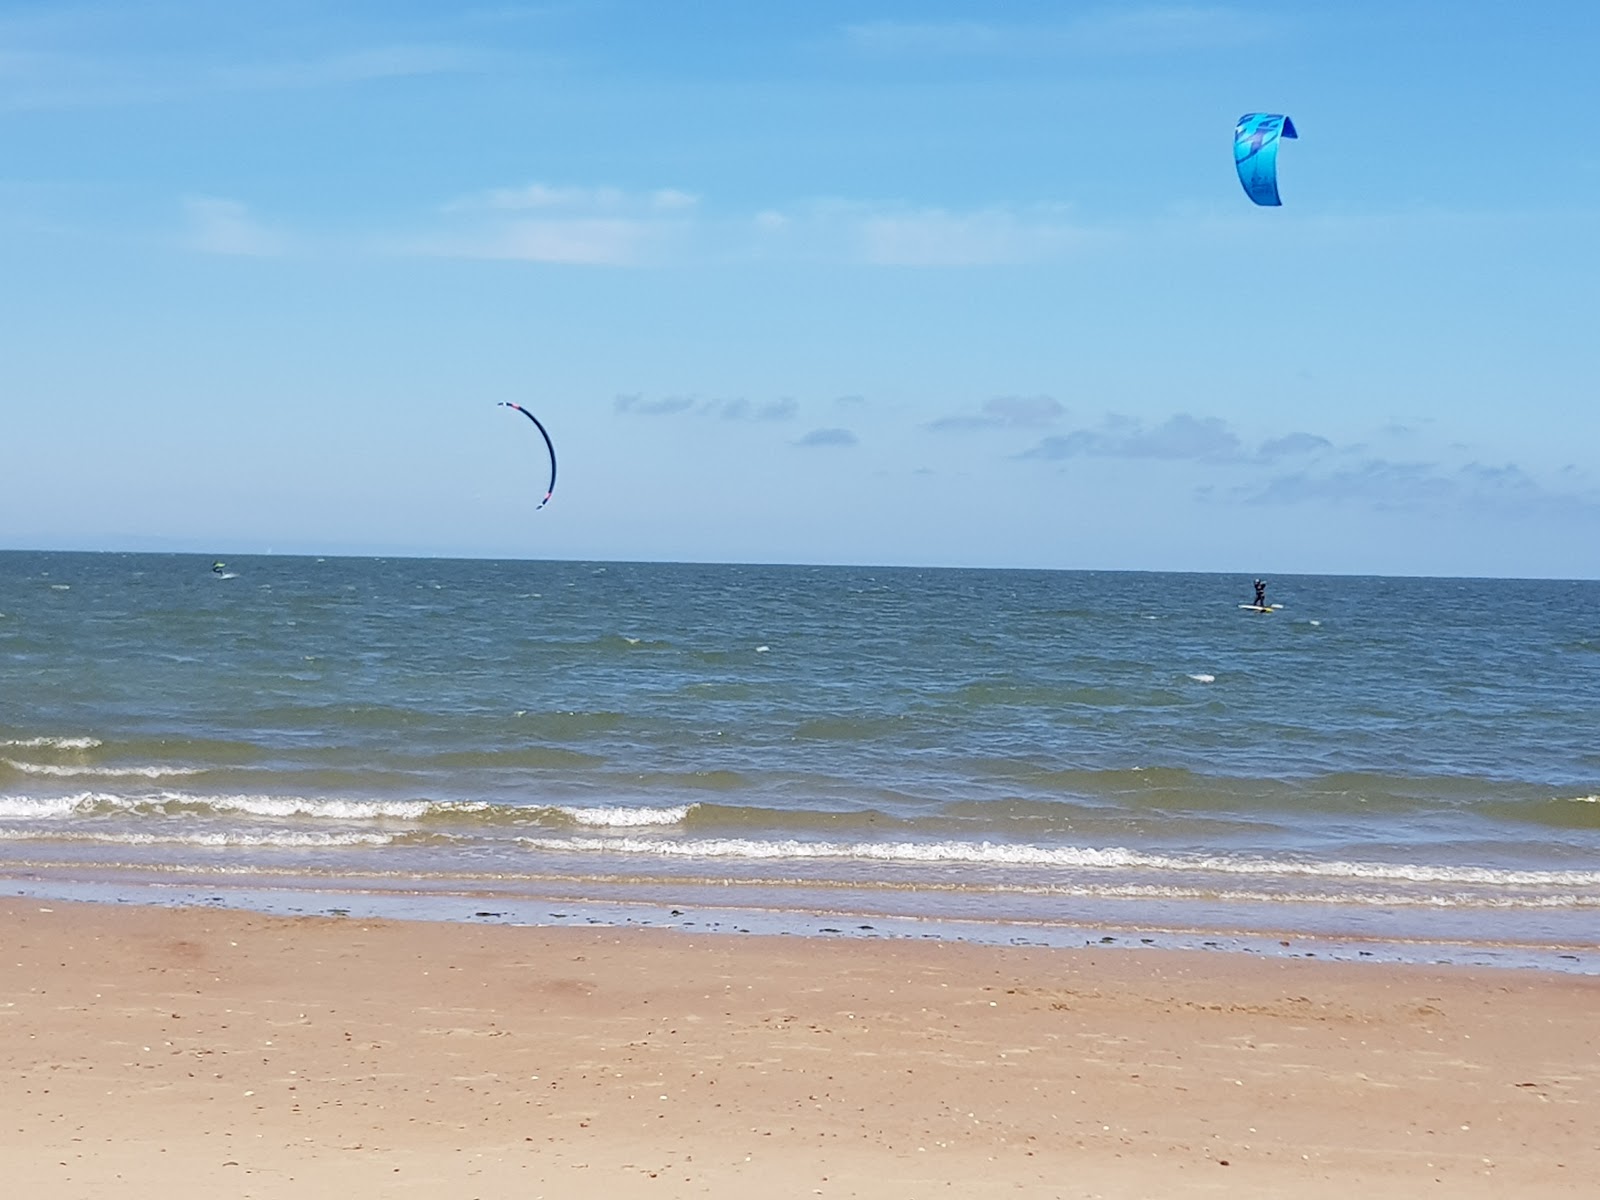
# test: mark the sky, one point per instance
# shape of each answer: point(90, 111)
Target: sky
point(937, 283)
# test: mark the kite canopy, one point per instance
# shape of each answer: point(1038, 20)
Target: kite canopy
point(1255, 153)
point(548, 445)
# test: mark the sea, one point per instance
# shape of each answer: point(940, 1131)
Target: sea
point(1386, 769)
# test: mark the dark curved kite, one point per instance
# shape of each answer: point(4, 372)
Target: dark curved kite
point(548, 444)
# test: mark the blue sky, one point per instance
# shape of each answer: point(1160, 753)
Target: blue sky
point(933, 283)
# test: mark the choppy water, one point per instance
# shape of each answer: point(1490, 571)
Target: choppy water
point(1382, 762)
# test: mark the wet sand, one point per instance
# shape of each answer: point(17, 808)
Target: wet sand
point(177, 1053)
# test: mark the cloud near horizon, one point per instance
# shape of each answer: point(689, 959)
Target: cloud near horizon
point(1181, 437)
point(1004, 412)
point(1387, 485)
point(828, 437)
point(784, 408)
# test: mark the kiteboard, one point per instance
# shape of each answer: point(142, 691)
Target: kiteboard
point(1261, 608)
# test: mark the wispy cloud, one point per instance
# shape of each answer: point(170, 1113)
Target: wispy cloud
point(218, 226)
point(1292, 445)
point(899, 235)
point(34, 78)
point(666, 406)
point(737, 409)
point(1397, 486)
point(930, 38)
point(1181, 437)
point(1004, 412)
point(576, 241)
point(547, 223)
point(351, 67)
point(611, 226)
point(767, 410)
point(1377, 483)
point(1121, 30)
point(937, 238)
point(828, 437)
point(550, 197)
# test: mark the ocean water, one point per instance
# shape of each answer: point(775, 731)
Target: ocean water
point(1386, 768)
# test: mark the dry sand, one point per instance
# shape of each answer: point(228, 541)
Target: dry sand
point(150, 1052)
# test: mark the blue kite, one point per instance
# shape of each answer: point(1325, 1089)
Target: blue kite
point(1255, 153)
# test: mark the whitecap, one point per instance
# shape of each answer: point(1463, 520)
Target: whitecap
point(1202, 677)
point(36, 807)
point(55, 769)
point(323, 808)
point(53, 743)
point(625, 817)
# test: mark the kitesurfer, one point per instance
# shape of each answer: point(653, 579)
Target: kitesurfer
point(1261, 593)
point(216, 567)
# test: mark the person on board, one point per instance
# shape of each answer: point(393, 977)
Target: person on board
point(1261, 593)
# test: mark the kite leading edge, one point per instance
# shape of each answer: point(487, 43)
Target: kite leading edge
point(1255, 154)
point(548, 445)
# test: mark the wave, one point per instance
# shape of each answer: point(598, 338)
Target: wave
point(624, 817)
point(32, 808)
point(1023, 855)
point(52, 743)
point(231, 838)
point(177, 803)
point(332, 808)
point(68, 772)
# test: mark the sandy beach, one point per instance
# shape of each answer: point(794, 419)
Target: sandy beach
point(200, 1052)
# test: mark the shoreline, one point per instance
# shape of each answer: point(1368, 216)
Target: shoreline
point(181, 1052)
point(592, 903)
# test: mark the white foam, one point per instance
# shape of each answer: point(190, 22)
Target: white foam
point(53, 743)
point(328, 809)
point(1025, 855)
point(42, 808)
point(322, 808)
point(1203, 678)
point(58, 770)
point(30, 807)
point(290, 839)
point(623, 817)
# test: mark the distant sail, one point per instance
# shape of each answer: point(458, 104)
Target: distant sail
point(1255, 154)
